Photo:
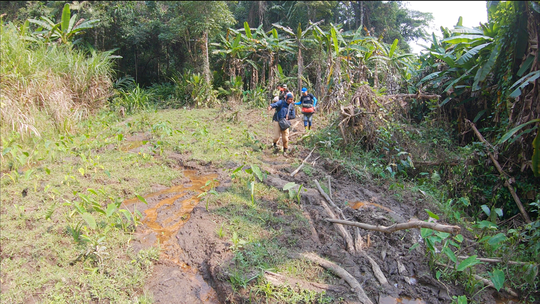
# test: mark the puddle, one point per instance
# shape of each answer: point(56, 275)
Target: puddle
point(358, 205)
point(167, 211)
point(402, 300)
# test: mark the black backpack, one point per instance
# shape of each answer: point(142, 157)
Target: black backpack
point(292, 112)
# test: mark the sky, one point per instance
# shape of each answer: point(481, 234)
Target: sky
point(446, 13)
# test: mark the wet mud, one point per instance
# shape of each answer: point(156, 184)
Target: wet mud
point(192, 267)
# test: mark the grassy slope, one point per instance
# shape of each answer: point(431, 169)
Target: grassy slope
point(40, 258)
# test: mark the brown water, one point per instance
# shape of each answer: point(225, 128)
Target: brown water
point(167, 211)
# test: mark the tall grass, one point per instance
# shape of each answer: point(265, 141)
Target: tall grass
point(46, 85)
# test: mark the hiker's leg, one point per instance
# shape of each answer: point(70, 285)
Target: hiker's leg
point(306, 121)
point(276, 132)
point(309, 120)
point(285, 138)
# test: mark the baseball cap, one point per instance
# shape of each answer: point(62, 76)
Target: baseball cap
point(304, 90)
point(284, 86)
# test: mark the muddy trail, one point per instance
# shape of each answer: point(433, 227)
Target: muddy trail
point(193, 263)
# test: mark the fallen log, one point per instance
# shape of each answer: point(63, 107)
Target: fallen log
point(302, 164)
point(492, 260)
point(344, 233)
point(278, 280)
point(342, 273)
point(402, 226)
point(499, 168)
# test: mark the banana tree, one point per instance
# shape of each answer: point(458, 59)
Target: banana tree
point(299, 38)
point(64, 31)
point(232, 50)
point(397, 66)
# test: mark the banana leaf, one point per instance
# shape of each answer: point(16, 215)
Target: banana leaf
point(471, 53)
point(465, 39)
point(485, 69)
point(524, 81)
point(66, 16)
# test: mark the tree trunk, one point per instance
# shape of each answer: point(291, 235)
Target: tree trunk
point(376, 75)
point(136, 65)
point(300, 66)
point(206, 60)
point(318, 78)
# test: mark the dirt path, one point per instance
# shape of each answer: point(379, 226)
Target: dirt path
point(191, 267)
point(190, 270)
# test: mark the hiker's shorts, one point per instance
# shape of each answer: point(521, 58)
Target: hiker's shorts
point(283, 134)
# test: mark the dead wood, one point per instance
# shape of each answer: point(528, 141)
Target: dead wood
point(314, 234)
point(498, 166)
point(302, 164)
point(402, 226)
point(490, 284)
point(344, 233)
point(418, 96)
point(278, 280)
point(328, 199)
point(358, 241)
point(484, 281)
point(342, 273)
point(329, 186)
point(430, 163)
point(492, 260)
point(376, 270)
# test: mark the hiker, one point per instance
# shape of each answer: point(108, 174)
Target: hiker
point(308, 103)
point(282, 113)
point(282, 91)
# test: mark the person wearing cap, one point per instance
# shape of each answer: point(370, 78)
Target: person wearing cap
point(308, 103)
point(282, 111)
point(283, 90)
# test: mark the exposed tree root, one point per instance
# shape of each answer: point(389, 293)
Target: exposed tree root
point(342, 273)
point(344, 233)
point(376, 270)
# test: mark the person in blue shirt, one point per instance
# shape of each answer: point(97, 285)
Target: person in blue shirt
point(282, 109)
point(308, 103)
